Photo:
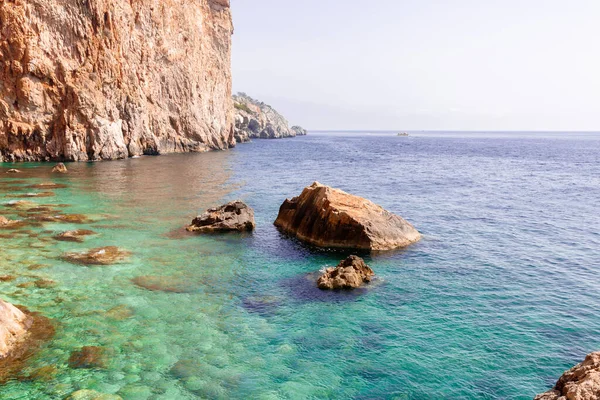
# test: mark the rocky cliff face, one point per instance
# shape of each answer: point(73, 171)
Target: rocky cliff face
point(107, 79)
point(582, 382)
point(255, 119)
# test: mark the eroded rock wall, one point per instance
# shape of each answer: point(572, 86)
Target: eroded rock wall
point(107, 79)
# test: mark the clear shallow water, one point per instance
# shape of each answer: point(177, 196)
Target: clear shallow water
point(496, 301)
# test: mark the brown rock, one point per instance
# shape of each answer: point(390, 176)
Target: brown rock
point(7, 223)
point(582, 382)
point(65, 218)
point(327, 217)
point(77, 235)
point(7, 278)
point(45, 373)
point(350, 273)
point(45, 283)
point(107, 79)
point(21, 334)
point(60, 168)
point(120, 313)
point(48, 185)
point(13, 171)
point(29, 195)
point(14, 325)
point(99, 256)
point(88, 357)
point(169, 284)
point(87, 394)
point(234, 216)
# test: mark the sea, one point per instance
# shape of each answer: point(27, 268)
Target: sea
point(500, 296)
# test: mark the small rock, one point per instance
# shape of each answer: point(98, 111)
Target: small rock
point(169, 284)
point(233, 216)
point(13, 171)
point(350, 273)
point(7, 278)
point(99, 256)
point(86, 394)
point(88, 357)
point(77, 235)
point(120, 313)
point(7, 223)
point(45, 373)
point(45, 283)
point(186, 369)
point(47, 185)
point(60, 168)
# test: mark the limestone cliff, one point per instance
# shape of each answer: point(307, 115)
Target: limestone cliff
point(255, 119)
point(582, 382)
point(107, 79)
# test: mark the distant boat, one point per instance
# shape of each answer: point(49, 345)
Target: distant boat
point(402, 134)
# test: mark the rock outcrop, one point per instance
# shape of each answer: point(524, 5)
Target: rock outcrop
point(108, 79)
point(14, 326)
point(99, 256)
point(582, 382)
point(78, 235)
point(21, 334)
point(327, 217)
point(233, 216)
point(350, 273)
point(60, 168)
point(255, 119)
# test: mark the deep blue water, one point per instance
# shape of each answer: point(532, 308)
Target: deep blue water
point(497, 300)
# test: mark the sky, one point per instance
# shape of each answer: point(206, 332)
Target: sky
point(422, 64)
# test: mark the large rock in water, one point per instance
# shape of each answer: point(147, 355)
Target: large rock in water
point(233, 216)
point(327, 217)
point(14, 326)
point(350, 273)
point(255, 119)
point(107, 79)
point(582, 382)
point(21, 334)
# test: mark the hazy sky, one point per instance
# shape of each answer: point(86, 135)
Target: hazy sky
point(422, 64)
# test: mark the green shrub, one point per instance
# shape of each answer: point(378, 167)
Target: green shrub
point(242, 107)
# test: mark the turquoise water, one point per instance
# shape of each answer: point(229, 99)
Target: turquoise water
point(495, 302)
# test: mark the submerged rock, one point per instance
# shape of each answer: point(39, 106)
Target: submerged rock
point(233, 216)
point(30, 195)
point(88, 357)
point(60, 168)
point(582, 382)
point(48, 185)
point(86, 394)
point(187, 369)
point(77, 235)
point(326, 217)
point(13, 171)
point(99, 256)
point(64, 218)
point(169, 284)
point(350, 273)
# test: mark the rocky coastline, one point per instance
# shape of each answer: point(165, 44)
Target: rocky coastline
point(257, 120)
